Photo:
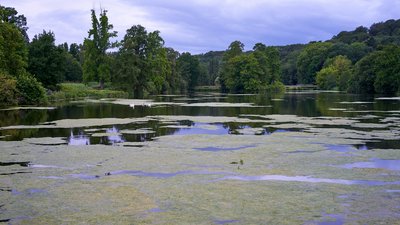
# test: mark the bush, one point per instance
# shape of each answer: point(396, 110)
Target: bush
point(276, 87)
point(30, 91)
point(8, 90)
point(72, 91)
point(326, 78)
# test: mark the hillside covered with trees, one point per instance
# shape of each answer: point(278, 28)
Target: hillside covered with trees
point(366, 60)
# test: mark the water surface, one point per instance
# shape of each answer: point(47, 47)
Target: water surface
point(209, 158)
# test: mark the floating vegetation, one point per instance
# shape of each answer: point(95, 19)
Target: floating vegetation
point(138, 131)
point(388, 98)
point(28, 108)
point(75, 123)
point(222, 104)
point(337, 109)
point(251, 131)
point(186, 164)
point(355, 103)
point(142, 102)
point(46, 141)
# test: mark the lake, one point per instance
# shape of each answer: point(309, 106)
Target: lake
point(305, 157)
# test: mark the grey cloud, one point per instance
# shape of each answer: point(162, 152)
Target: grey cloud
point(202, 25)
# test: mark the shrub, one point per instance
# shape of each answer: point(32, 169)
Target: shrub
point(30, 91)
point(8, 90)
point(276, 87)
point(72, 91)
point(326, 78)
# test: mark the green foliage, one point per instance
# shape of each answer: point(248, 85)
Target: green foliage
point(30, 91)
point(388, 71)
point(326, 78)
point(243, 74)
point(225, 73)
point(210, 64)
point(46, 60)
point(354, 51)
point(75, 50)
point(143, 65)
point(364, 75)
point(253, 72)
point(10, 15)
point(189, 69)
point(13, 50)
point(388, 28)
point(73, 70)
point(378, 72)
point(276, 87)
point(289, 55)
point(73, 91)
point(311, 60)
point(8, 90)
point(96, 65)
point(335, 74)
point(360, 34)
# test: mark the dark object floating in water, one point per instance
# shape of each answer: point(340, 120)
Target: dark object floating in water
point(240, 162)
point(52, 144)
point(6, 189)
point(13, 173)
point(134, 146)
point(5, 220)
point(222, 222)
point(216, 149)
point(23, 164)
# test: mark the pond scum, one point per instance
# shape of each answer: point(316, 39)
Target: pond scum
point(265, 169)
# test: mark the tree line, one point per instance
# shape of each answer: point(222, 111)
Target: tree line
point(365, 60)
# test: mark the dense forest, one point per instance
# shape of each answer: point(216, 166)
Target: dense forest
point(366, 60)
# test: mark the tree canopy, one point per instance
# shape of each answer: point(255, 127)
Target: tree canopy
point(96, 65)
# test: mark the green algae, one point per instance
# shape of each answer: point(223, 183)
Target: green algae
point(74, 123)
point(45, 141)
point(169, 181)
point(142, 102)
point(28, 108)
point(250, 131)
point(138, 131)
point(190, 198)
point(107, 134)
point(223, 104)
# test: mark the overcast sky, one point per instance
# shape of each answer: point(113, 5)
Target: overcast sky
point(198, 26)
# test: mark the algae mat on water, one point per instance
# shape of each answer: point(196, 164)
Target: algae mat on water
point(282, 178)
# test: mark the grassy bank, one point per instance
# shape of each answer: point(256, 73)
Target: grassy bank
point(73, 91)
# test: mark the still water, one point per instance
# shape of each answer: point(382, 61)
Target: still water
point(208, 158)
